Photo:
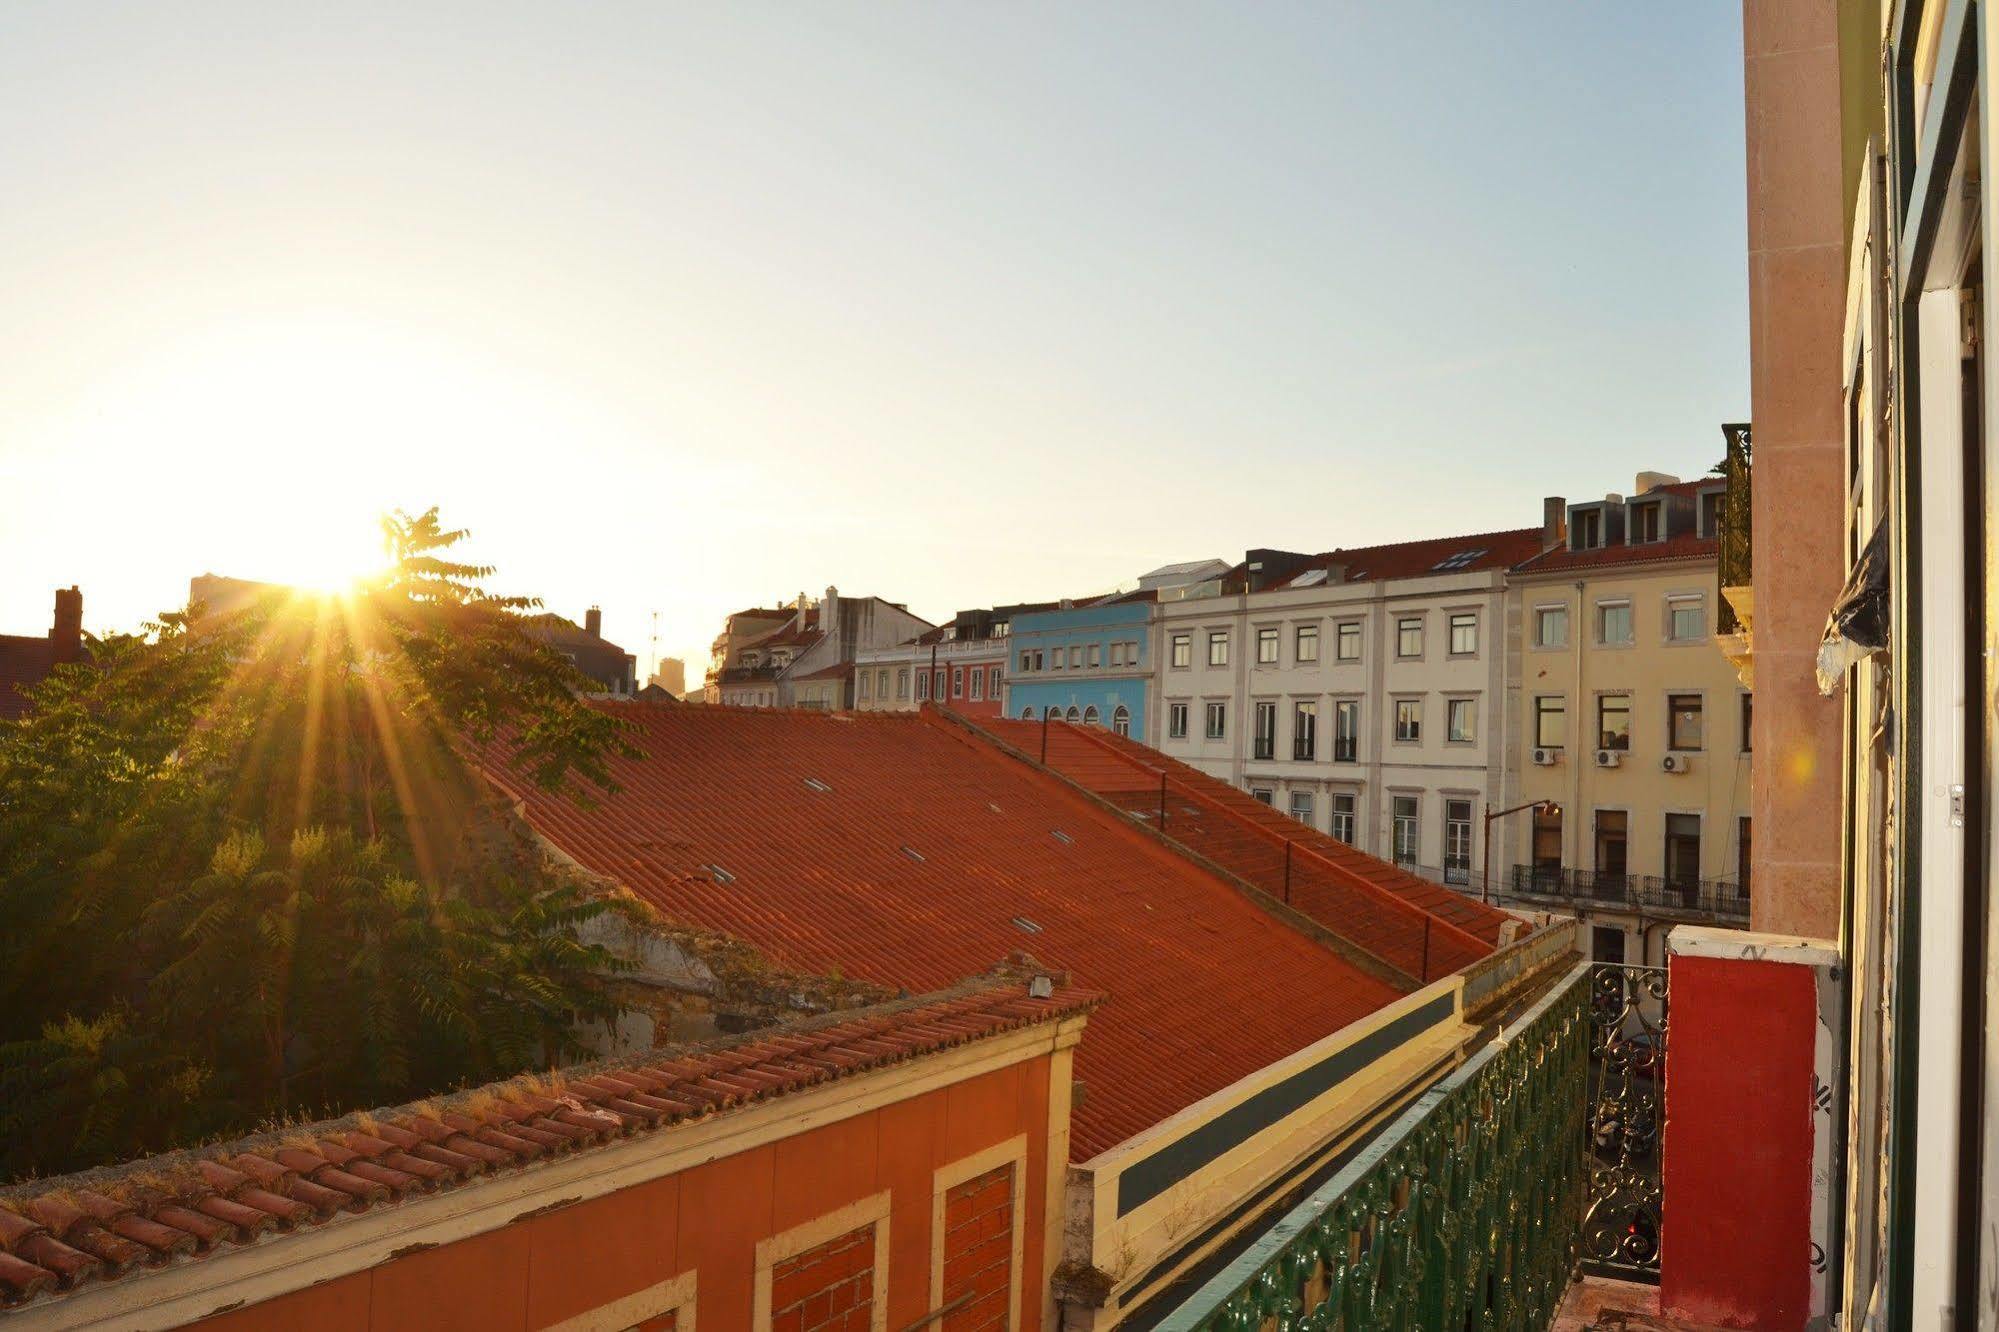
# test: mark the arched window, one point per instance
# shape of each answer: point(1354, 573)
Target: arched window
point(1053, 714)
point(1121, 720)
point(1027, 713)
point(1090, 715)
point(1074, 715)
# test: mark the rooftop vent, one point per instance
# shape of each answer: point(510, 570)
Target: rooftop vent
point(816, 784)
point(1310, 578)
point(1063, 837)
point(913, 853)
point(1024, 923)
point(720, 875)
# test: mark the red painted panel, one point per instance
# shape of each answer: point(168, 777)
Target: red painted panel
point(477, 1285)
point(1736, 1240)
point(598, 1251)
point(336, 1306)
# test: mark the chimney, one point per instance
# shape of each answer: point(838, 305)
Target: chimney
point(66, 633)
point(1554, 513)
point(593, 622)
point(829, 610)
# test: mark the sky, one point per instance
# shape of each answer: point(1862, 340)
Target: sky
point(686, 308)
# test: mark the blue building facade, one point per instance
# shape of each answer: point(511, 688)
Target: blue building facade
point(1087, 664)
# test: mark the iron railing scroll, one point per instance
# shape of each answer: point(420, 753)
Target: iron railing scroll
point(1463, 1213)
point(1627, 1100)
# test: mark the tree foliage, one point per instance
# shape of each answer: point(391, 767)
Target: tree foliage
point(248, 870)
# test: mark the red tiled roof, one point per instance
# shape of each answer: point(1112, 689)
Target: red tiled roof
point(837, 670)
point(58, 1234)
point(904, 849)
point(1340, 887)
point(1414, 559)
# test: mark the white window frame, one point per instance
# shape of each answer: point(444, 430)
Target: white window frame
point(1676, 601)
point(1451, 627)
point(1551, 608)
point(675, 1295)
point(1177, 713)
point(1012, 1152)
point(1630, 618)
point(1180, 650)
point(1451, 705)
point(1300, 636)
point(1402, 624)
point(1214, 708)
point(1218, 639)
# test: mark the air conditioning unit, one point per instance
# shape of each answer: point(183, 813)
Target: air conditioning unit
point(1547, 758)
point(1676, 763)
point(1609, 758)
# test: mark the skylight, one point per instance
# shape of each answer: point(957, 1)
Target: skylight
point(1024, 923)
point(1459, 560)
point(1310, 578)
point(1061, 836)
point(719, 874)
point(816, 784)
point(912, 853)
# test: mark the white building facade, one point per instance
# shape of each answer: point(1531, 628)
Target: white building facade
point(1361, 691)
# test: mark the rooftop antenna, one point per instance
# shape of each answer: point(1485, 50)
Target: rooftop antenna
point(654, 645)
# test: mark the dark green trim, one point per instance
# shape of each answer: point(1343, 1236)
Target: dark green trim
point(1148, 1177)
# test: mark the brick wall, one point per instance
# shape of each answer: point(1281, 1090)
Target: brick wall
point(830, 1288)
point(978, 1251)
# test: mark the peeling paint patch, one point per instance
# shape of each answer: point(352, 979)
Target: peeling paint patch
point(556, 1206)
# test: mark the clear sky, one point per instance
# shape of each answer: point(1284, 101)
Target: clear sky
point(689, 307)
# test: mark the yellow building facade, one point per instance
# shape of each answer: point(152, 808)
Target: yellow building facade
point(1628, 724)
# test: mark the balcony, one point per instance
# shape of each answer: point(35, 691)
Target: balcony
point(1533, 1162)
point(1720, 899)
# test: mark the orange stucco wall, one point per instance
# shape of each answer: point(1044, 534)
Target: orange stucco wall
point(565, 1262)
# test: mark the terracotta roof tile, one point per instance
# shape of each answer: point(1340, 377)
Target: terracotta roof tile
point(1375, 904)
point(58, 1234)
point(1205, 987)
point(1561, 559)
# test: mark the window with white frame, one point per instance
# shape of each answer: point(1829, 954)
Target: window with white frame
point(1055, 659)
point(1117, 653)
point(1176, 721)
point(863, 683)
point(901, 683)
point(923, 686)
point(1409, 636)
point(881, 683)
point(1183, 650)
point(1648, 523)
point(1027, 713)
point(1090, 715)
point(1457, 841)
point(1263, 739)
point(1218, 647)
point(993, 681)
point(1461, 720)
point(1096, 654)
point(1686, 617)
point(1266, 646)
point(1076, 657)
point(1408, 720)
point(1121, 719)
point(1406, 810)
point(1551, 626)
point(1613, 623)
point(842, 1257)
point(1301, 807)
point(1346, 730)
point(1343, 816)
point(957, 682)
point(1346, 645)
point(1075, 713)
point(978, 684)
point(1218, 721)
point(1304, 730)
point(1306, 644)
point(1464, 634)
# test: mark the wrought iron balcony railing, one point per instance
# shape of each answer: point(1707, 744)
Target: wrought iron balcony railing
point(1733, 564)
point(1721, 898)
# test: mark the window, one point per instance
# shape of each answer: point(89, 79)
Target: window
point(902, 683)
point(1076, 657)
point(1307, 643)
point(1408, 719)
point(1218, 648)
point(1096, 654)
point(1027, 713)
point(1343, 816)
point(957, 682)
point(1301, 807)
point(1461, 720)
point(993, 682)
point(1051, 714)
point(1183, 649)
point(1346, 730)
point(1055, 659)
point(1117, 654)
point(863, 682)
point(1409, 637)
point(1406, 810)
point(1026, 662)
point(1551, 722)
point(1747, 710)
point(1683, 721)
point(1714, 508)
point(881, 683)
point(923, 686)
point(1347, 648)
point(937, 685)
point(1075, 714)
point(1218, 720)
point(1264, 742)
point(1457, 841)
point(1551, 626)
point(1091, 716)
point(1121, 720)
point(1002, 628)
point(978, 684)
point(1606, 944)
point(1613, 722)
point(1464, 634)
point(1266, 647)
point(1647, 524)
point(1683, 850)
point(1613, 623)
point(1686, 618)
point(1265, 794)
point(1305, 731)
point(1176, 721)
point(1585, 529)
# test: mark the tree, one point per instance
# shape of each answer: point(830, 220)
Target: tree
point(251, 857)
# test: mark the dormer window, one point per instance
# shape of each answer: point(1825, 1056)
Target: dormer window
point(780, 659)
point(1648, 523)
point(1585, 529)
point(752, 659)
point(1000, 628)
point(950, 632)
point(1713, 507)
